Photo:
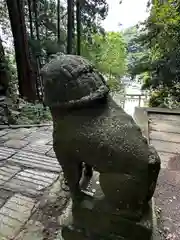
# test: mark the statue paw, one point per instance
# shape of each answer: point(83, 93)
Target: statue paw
point(87, 194)
point(84, 200)
point(82, 195)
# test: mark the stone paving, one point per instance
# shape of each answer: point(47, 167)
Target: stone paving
point(33, 205)
point(28, 168)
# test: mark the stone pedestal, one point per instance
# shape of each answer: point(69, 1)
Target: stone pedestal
point(94, 219)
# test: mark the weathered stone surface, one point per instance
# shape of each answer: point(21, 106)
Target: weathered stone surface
point(39, 137)
point(32, 231)
point(2, 141)
point(2, 201)
point(90, 127)
point(85, 216)
point(3, 132)
point(30, 181)
point(4, 196)
point(25, 131)
point(51, 153)
point(33, 160)
point(55, 198)
point(6, 152)
point(4, 137)
point(46, 129)
point(9, 227)
point(167, 198)
point(14, 143)
point(50, 143)
point(44, 224)
point(7, 172)
point(16, 134)
point(80, 81)
point(14, 214)
point(82, 221)
point(37, 148)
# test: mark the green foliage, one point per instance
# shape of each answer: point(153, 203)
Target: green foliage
point(115, 85)
point(163, 100)
point(161, 64)
point(157, 98)
point(19, 111)
point(113, 54)
point(28, 113)
point(13, 80)
point(43, 43)
point(34, 113)
point(135, 51)
point(108, 53)
point(91, 14)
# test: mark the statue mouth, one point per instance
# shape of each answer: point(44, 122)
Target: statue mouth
point(86, 101)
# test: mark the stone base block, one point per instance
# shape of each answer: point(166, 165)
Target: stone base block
point(97, 225)
point(90, 223)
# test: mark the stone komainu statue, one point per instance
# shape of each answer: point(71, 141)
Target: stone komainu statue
point(90, 127)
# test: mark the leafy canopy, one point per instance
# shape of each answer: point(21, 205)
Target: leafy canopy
point(108, 53)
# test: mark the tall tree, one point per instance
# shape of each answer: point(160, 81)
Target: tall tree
point(108, 53)
point(38, 65)
point(92, 13)
point(41, 18)
point(135, 50)
point(70, 26)
point(30, 19)
point(26, 76)
point(78, 26)
point(161, 64)
point(58, 21)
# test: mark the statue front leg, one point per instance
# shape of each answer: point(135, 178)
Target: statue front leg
point(72, 175)
point(88, 171)
point(87, 175)
point(72, 170)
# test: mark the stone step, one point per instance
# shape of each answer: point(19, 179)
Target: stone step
point(14, 214)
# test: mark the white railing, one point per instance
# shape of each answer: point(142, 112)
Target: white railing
point(130, 101)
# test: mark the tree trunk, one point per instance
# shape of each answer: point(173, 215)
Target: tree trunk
point(30, 19)
point(36, 24)
point(70, 26)
point(26, 76)
point(38, 57)
point(78, 26)
point(58, 21)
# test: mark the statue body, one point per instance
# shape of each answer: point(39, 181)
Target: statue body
point(90, 128)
